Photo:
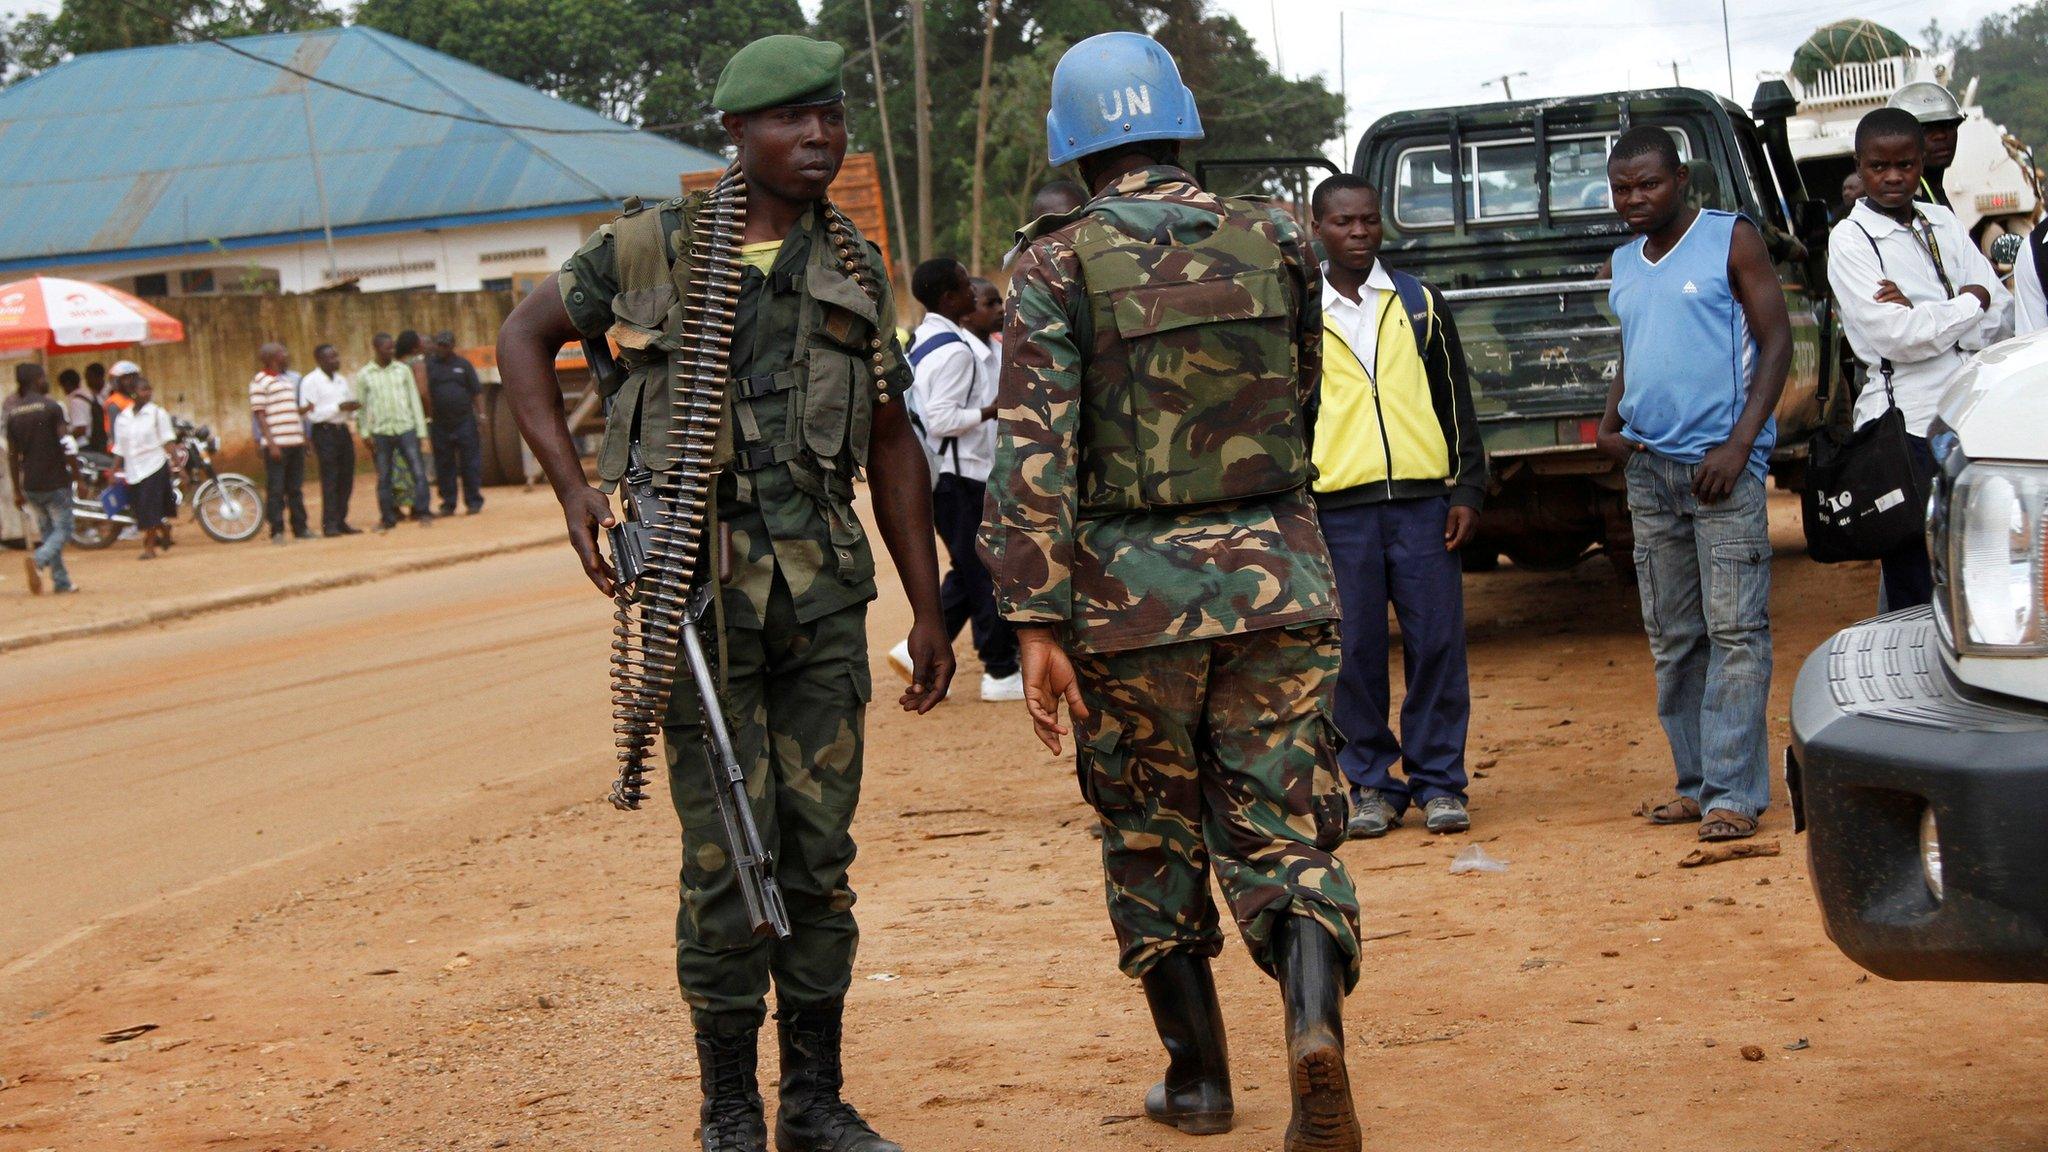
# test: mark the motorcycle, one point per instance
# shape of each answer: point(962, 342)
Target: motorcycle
point(228, 505)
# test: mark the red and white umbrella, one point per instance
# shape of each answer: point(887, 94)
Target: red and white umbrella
point(50, 314)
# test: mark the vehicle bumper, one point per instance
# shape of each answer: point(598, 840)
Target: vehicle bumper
point(1881, 731)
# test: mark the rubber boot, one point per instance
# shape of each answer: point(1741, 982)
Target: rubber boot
point(1311, 970)
point(730, 1118)
point(1195, 1096)
point(812, 1117)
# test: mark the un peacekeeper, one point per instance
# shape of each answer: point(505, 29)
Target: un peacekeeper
point(1151, 535)
point(816, 379)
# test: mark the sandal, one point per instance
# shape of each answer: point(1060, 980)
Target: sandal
point(1679, 810)
point(1722, 824)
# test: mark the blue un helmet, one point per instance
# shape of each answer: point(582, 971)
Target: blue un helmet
point(1113, 89)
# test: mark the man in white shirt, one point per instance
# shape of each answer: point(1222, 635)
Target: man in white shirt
point(954, 384)
point(1916, 299)
point(331, 403)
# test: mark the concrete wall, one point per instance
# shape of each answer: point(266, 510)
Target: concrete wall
point(444, 260)
point(206, 378)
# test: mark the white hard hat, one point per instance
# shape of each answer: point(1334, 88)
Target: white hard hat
point(124, 368)
point(1929, 102)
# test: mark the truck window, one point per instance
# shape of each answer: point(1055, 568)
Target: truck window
point(1501, 179)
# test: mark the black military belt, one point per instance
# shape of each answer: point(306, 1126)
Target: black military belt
point(762, 384)
point(756, 458)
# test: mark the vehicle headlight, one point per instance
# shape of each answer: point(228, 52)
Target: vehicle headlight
point(1995, 521)
point(1930, 853)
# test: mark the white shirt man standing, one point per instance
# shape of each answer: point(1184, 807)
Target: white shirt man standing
point(954, 385)
point(330, 404)
point(1916, 299)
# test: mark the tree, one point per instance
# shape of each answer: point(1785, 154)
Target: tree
point(2008, 53)
point(638, 62)
point(40, 41)
point(1247, 109)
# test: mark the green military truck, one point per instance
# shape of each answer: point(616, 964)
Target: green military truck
point(1505, 208)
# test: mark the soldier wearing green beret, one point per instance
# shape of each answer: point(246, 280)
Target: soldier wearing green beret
point(816, 376)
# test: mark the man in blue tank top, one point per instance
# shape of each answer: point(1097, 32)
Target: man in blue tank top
point(1705, 345)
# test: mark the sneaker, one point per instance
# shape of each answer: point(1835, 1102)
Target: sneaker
point(899, 659)
point(1002, 689)
point(35, 578)
point(1446, 814)
point(384, 527)
point(279, 539)
point(63, 589)
point(1371, 816)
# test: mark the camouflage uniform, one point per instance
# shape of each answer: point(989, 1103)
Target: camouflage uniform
point(1202, 629)
point(795, 604)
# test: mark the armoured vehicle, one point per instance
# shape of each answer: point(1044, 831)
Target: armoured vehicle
point(1850, 67)
point(1505, 208)
point(1919, 759)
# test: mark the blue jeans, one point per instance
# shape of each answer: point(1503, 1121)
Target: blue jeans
point(1705, 577)
point(53, 524)
point(388, 452)
point(1393, 553)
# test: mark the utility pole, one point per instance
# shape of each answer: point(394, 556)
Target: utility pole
point(1343, 94)
point(922, 96)
point(320, 184)
point(988, 61)
point(1273, 8)
point(1728, 47)
point(888, 145)
point(1675, 81)
point(1507, 84)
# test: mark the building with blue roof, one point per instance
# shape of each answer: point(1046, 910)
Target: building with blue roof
point(186, 169)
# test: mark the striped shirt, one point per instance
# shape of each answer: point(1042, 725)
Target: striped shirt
point(275, 401)
point(391, 400)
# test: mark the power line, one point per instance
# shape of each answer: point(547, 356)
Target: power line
point(209, 38)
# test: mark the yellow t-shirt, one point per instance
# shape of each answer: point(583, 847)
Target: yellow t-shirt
point(760, 257)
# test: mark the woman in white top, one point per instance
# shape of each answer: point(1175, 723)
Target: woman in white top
point(142, 435)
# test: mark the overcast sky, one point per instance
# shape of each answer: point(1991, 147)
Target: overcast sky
point(1419, 55)
point(1408, 54)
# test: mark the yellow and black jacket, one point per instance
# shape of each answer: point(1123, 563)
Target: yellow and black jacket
point(1405, 429)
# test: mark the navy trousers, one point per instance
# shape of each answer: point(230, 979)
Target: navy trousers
point(1394, 553)
point(458, 451)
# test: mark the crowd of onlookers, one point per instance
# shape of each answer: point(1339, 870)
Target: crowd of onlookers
point(407, 396)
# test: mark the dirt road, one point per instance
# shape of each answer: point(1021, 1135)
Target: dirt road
point(345, 852)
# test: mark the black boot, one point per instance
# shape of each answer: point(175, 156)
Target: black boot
point(811, 1116)
point(1195, 1096)
point(730, 1118)
point(1311, 971)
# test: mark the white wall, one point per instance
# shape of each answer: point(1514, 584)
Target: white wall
point(446, 260)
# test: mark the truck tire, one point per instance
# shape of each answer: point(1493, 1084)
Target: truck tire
point(499, 438)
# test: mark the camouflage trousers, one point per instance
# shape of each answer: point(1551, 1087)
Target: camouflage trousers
point(796, 702)
point(1217, 752)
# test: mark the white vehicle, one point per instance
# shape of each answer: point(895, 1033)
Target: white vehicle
point(1992, 184)
point(1919, 758)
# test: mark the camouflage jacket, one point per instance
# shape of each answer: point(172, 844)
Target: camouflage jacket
point(798, 408)
point(1116, 580)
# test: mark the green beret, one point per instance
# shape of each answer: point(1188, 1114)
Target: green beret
point(780, 71)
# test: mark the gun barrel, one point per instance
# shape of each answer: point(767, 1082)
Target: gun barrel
point(751, 860)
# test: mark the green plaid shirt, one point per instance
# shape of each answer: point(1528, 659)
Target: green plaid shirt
point(390, 399)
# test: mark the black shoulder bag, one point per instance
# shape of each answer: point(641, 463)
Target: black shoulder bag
point(1864, 499)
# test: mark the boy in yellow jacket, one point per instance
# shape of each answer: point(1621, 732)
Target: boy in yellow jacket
point(1400, 473)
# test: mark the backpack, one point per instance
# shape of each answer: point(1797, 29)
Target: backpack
point(932, 455)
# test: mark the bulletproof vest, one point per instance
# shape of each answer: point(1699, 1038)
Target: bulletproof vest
point(1211, 410)
point(827, 384)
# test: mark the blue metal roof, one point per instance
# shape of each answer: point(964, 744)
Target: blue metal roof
point(180, 146)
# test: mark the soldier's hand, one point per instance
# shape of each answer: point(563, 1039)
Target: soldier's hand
point(931, 668)
point(587, 511)
point(1459, 526)
point(1048, 679)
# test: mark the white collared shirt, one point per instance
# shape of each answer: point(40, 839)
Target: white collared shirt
point(953, 385)
point(1929, 341)
point(1359, 322)
point(326, 394)
point(141, 440)
point(2030, 304)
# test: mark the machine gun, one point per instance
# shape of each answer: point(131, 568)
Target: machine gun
point(653, 615)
